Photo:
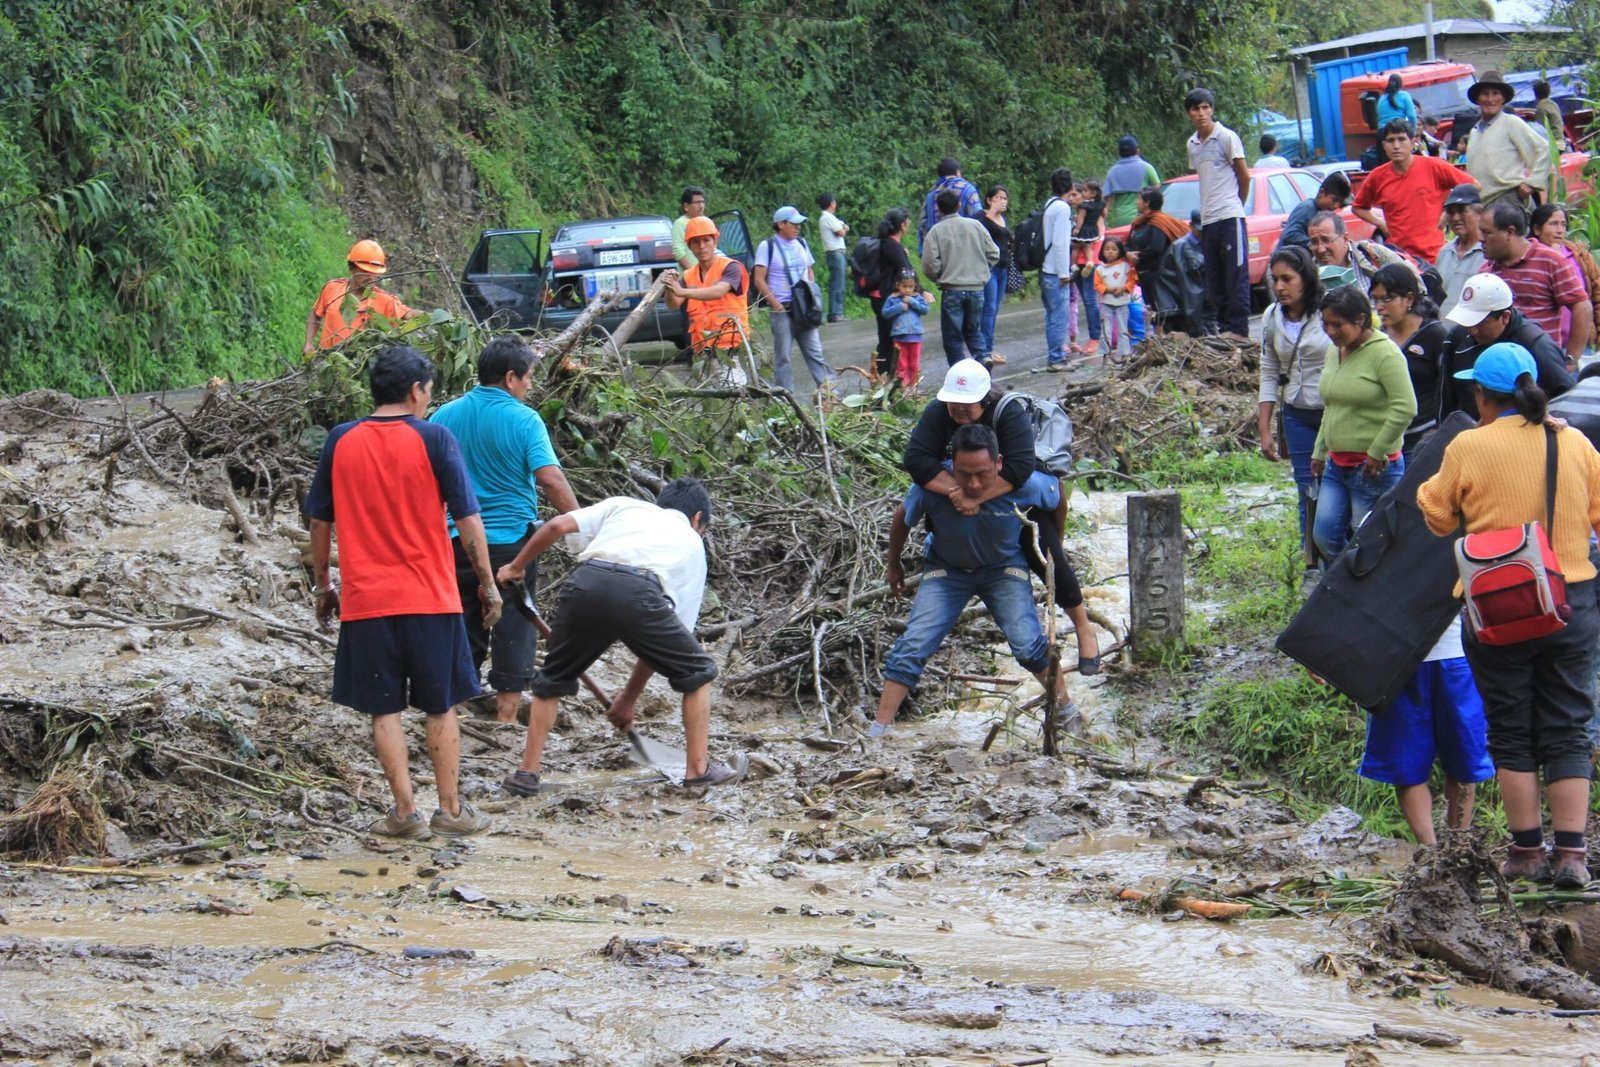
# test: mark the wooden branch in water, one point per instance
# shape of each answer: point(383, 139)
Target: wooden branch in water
point(247, 529)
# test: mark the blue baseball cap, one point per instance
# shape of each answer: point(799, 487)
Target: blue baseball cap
point(1499, 366)
point(788, 214)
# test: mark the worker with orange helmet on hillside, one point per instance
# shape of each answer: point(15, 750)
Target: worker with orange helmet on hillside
point(713, 290)
point(368, 265)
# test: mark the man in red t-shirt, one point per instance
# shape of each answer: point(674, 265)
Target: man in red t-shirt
point(1411, 190)
point(386, 482)
point(359, 294)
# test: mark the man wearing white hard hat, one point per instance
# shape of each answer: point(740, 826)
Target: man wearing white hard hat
point(1483, 316)
point(968, 398)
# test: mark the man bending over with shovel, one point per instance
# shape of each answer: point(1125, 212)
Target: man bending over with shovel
point(967, 555)
point(640, 578)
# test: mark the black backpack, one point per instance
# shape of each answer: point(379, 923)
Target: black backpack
point(865, 265)
point(1029, 247)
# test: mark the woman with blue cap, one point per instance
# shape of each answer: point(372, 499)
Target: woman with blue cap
point(1538, 695)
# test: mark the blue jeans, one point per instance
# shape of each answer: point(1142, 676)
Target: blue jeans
point(1346, 496)
point(836, 277)
point(960, 322)
point(945, 591)
point(1300, 426)
point(1083, 293)
point(1054, 296)
point(993, 295)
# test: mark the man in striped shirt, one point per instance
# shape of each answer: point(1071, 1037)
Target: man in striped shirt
point(1540, 278)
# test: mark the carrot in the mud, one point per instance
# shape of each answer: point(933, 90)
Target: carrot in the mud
point(1211, 909)
point(1129, 894)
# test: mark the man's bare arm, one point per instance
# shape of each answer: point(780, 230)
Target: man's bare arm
point(476, 546)
point(553, 484)
point(548, 534)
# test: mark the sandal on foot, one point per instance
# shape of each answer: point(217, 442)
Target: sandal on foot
point(719, 773)
point(1088, 666)
point(996, 358)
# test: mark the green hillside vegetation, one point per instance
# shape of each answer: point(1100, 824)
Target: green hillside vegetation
point(179, 176)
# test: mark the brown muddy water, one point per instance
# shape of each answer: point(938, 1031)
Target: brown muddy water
point(920, 902)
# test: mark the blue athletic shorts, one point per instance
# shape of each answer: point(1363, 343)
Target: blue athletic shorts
point(1439, 715)
point(387, 664)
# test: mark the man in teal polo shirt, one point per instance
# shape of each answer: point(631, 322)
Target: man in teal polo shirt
point(509, 457)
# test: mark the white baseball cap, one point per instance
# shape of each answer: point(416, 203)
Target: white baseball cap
point(787, 213)
point(965, 383)
point(1483, 295)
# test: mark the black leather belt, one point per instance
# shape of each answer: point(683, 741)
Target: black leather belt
point(625, 568)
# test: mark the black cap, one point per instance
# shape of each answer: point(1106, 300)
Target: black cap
point(1465, 193)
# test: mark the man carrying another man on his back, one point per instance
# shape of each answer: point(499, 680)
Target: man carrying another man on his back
point(958, 255)
point(1411, 190)
point(508, 455)
point(387, 482)
point(640, 578)
point(1217, 155)
point(1540, 278)
point(713, 290)
point(967, 555)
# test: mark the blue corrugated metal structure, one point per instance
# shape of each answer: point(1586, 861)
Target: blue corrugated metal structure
point(1322, 85)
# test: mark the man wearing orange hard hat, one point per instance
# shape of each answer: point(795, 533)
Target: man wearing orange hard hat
point(358, 295)
point(713, 291)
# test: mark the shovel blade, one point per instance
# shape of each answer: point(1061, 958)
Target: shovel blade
point(657, 756)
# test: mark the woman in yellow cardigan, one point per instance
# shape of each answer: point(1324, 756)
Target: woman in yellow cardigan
point(1538, 695)
point(1367, 403)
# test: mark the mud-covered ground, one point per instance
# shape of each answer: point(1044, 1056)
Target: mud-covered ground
point(918, 902)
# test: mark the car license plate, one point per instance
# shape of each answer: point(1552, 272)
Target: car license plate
point(616, 257)
point(628, 281)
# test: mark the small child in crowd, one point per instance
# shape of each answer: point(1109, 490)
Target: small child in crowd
point(1115, 281)
point(1440, 715)
point(1087, 208)
point(905, 308)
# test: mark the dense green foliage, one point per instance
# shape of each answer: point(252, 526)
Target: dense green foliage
point(174, 196)
point(161, 212)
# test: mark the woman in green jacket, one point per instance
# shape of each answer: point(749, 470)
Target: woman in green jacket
point(1367, 404)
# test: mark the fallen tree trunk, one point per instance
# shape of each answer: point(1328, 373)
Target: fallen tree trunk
point(636, 317)
point(563, 342)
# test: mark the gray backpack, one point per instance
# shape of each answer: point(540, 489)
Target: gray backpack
point(1052, 430)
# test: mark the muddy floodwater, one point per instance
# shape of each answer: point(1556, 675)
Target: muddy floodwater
point(915, 902)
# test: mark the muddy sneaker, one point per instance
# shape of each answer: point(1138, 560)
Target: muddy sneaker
point(1526, 865)
point(469, 822)
point(876, 729)
point(521, 783)
point(392, 825)
point(1571, 870)
point(719, 773)
point(1070, 720)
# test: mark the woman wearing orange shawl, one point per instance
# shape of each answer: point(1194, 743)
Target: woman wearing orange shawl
point(1152, 234)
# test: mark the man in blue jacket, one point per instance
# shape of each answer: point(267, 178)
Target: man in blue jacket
point(967, 556)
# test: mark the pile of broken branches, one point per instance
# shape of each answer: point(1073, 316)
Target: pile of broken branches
point(1176, 389)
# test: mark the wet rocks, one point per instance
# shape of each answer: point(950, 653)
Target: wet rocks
point(969, 842)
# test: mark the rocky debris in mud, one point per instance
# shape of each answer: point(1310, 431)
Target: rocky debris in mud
point(1436, 913)
point(1176, 389)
